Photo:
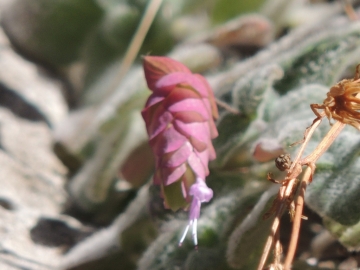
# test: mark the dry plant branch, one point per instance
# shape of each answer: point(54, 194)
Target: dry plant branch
point(286, 190)
point(341, 104)
point(349, 10)
point(297, 218)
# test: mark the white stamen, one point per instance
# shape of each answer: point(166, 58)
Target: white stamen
point(185, 233)
point(194, 233)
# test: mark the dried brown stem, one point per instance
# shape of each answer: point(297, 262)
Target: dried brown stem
point(297, 219)
point(345, 110)
point(349, 10)
point(308, 134)
point(309, 160)
point(324, 144)
point(286, 190)
point(274, 231)
point(278, 249)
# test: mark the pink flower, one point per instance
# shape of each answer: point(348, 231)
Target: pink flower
point(179, 117)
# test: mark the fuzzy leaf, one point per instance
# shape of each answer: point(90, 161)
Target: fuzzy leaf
point(336, 187)
point(247, 241)
point(349, 236)
point(214, 225)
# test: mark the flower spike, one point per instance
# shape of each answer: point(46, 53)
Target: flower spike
point(179, 117)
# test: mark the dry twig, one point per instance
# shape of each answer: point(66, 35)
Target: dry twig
point(342, 104)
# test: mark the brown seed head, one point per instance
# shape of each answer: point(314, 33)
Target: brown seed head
point(342, 103)
point(283, 162)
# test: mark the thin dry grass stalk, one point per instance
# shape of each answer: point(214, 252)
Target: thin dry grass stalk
point(136, 42)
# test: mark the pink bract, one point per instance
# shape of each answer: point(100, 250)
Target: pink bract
point(179, 117)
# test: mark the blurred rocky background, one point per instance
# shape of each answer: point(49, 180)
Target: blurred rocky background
point(75, 166)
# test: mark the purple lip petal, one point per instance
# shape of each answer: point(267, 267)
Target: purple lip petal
point(201, 191)
point(195, 209)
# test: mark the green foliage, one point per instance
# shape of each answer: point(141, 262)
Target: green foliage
point(273, 99)
point(225, 9)
point(53, 31)
point(214, 226)
point(336, 188)
point(272, 92)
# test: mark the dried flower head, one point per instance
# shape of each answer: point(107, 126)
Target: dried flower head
point(179, 117)
point(341, 103)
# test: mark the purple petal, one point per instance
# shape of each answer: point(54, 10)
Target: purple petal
point(160, 120)
point(197, 166)
point(171, 175)
point(207, 106)
point(156, 67)
point(180, 93)
point(204, 158)
point(189, 104)
point(172, 79)
point(214, 110)
point(195, 209)
point(189, 117)
point(153, 99)
point(198, 130)
point(211, 151)
point(201, 193)
point(213, 130)
point(148, 113)
point(198, 145)
point(167, 141)
point(177, 157)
